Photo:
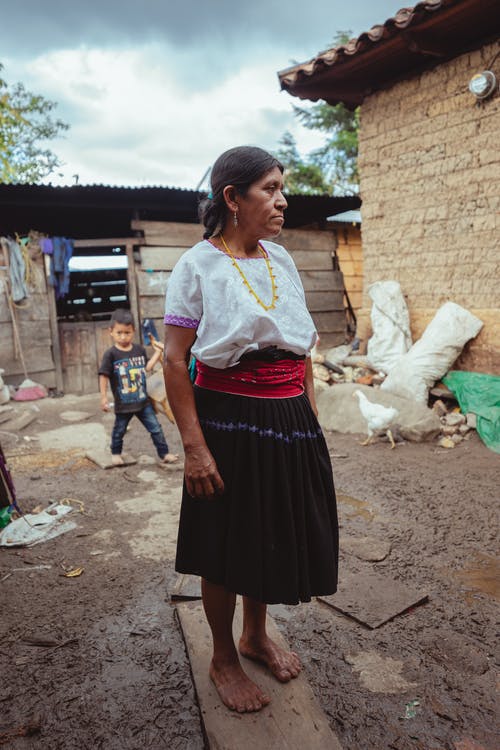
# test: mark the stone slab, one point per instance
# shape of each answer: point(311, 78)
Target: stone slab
point(103, 459)
point(292, 721)
point(186, 588)
point(366, 547)
point(373, 599)
point(20, 422)
point(75, 416)
point(339, 411)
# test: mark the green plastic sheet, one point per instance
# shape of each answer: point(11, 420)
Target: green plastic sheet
point(480, 394)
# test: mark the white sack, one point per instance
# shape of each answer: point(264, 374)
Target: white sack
point(390, 325)
point(430, 358)
point(4, 390)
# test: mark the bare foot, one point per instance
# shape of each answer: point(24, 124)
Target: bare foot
point(170, 458)
point(284, 665)
point(236, 690)
point(117, 460)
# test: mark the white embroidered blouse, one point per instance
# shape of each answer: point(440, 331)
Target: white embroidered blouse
point(207, 293)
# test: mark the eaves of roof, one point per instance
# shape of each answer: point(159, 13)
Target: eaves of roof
point(83, 211)
point(413, 40)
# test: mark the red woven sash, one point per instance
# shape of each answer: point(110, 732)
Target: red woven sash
point(280, 379)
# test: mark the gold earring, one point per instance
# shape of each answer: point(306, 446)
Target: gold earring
point(235, 219)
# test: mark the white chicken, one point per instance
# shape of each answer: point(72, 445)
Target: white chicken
point(378, 418)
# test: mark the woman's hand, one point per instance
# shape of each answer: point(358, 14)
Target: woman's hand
point(203, 480)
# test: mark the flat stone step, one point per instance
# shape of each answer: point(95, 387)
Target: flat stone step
point(292, 721)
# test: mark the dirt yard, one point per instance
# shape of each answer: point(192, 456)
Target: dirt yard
point(98, 660)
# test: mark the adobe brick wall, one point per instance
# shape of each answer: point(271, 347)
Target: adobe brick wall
point(430, 183)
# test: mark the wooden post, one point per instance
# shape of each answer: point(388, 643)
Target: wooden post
point(132, 286)
point(54, 328)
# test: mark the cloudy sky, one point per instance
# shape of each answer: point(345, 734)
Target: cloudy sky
point(154, 90)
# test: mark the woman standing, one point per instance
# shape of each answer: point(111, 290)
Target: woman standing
point(258, 515)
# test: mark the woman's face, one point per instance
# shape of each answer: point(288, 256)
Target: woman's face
point(260, 211)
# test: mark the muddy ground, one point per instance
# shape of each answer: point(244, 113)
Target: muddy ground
point(98, 660)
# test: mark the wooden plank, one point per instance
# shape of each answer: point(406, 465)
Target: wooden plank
point(37, 359)
point(186, 588)
point(152, 283)
point(373, 599)
point(325, 301)
point(312, 260)
point(321, 281)
point(168, 233)
point(307, 240)
point(175, 233)
point(31, 334)
point(292, 721)
point(45, 377)
point(160, 258)
point(329, 322)
point(35, 308)
point(152, 307)
point(103, 459)
point(106, 242)
point(133, 295)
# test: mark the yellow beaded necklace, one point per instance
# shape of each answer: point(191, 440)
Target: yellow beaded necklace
point(247, 283)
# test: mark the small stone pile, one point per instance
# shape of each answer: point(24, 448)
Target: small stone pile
point(455, 425)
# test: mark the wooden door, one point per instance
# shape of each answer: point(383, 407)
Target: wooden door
point(82, 346)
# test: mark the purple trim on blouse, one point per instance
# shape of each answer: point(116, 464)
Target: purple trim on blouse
point(181, 321)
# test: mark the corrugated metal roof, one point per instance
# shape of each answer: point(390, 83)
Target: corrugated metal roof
point(415, 38)
point(84, 211)
point(347, 217)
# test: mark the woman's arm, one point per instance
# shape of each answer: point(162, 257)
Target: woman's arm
point(202, 477)
point(309, 385)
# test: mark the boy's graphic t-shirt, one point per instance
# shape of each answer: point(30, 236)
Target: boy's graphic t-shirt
point(127, 375)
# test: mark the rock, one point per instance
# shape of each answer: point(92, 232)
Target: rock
point(348, 374)
point(339, 411)
point(455, 418)
point(464, 429)
point(379, 673)
point(446, 442)
point(75, 416)
point(471, 420)
point(457, 438)
point(146, 460)
point(366, 548)
point(338, 353)
point(440, 408)
point(320, 372)
point(448, 429)
point(320, 385)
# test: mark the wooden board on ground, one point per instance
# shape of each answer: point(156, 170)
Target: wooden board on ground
point(186, 588)
point(292, 721)
point(103, 459)
point(373, 599)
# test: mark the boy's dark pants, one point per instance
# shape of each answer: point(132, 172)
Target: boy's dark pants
point(150, 421)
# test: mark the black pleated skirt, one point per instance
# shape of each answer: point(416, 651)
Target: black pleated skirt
point(273, 534)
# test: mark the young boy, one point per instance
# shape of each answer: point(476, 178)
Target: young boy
point(124, 366)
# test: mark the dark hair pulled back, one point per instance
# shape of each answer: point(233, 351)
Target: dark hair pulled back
point(241, 167)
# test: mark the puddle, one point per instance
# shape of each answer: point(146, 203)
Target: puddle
point(360, 507)
point(482, 574)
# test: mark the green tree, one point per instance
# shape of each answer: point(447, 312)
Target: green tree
point(301, 177)
point(337, 158)
point(25, 121)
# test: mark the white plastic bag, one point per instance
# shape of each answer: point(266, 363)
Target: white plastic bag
point(390, 325)
point(430, 358)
